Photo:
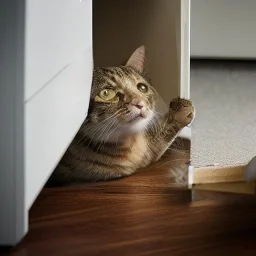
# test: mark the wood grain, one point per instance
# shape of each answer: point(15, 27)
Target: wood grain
point(145, 214)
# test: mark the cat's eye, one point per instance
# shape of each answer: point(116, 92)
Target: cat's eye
point(107, 94)
point(142, 87)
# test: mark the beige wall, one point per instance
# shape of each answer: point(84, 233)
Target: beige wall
point(121, 26)
point(223, 29)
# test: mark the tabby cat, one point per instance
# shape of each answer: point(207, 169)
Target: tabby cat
point(122, 132)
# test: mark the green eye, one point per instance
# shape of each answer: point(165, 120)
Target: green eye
point(107, 94)
point(142, 87)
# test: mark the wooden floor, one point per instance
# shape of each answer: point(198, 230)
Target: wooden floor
point(145, 214)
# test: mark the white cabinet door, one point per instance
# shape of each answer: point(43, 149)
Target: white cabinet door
point(56, 33)
point(58, 60)
point(45, 79)
point(52, 119)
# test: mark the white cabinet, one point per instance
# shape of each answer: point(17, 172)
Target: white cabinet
point(52, 119)
point(45, 79)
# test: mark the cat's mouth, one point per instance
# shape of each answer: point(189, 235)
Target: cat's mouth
point(136, 118)
point(137, 121)
point(136, 115)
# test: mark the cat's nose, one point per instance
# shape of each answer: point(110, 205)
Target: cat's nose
point(139, 106)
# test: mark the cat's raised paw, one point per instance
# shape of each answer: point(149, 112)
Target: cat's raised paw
point(182, 111)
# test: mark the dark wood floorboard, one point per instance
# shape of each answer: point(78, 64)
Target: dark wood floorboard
point(145, 214)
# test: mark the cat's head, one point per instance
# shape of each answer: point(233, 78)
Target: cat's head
point(123, 95)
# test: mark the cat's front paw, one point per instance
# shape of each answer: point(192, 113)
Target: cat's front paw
point(182, 111)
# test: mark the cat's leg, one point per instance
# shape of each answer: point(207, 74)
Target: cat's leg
point(163, 133)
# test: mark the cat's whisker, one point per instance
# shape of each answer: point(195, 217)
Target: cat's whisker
point(111, 132)
point(155, 124)
point(158, 114)
point(113, 115)
point(159, 99)
point(173, 160)
point(98, 128)
point(107, 129)
point(106, 133)
point(104, 120)
point(157, 129)
point(86, 132)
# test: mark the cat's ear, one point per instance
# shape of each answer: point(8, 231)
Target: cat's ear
point(137, 60)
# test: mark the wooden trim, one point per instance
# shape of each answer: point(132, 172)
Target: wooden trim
point(217, 174)
point(227, 179)
point(232, 187)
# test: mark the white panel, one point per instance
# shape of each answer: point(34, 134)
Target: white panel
point(185, 57)
point(185, 49)
point(52, 118)
point(13, 213)
point(56, 32)
point(223, 28)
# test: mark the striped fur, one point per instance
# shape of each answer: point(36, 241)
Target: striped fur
point(122, 134)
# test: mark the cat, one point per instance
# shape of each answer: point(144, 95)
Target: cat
point(122, 132)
